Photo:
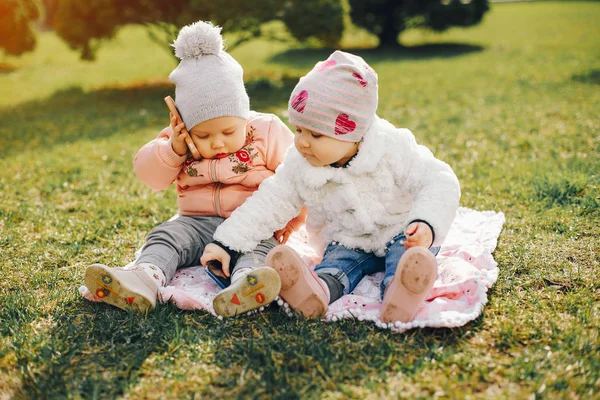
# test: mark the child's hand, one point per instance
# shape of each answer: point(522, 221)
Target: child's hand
point(216, 252)
point(418, 234)
point(178, 138)
point(283, 235)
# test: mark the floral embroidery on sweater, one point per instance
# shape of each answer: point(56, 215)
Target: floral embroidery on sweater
point(243, 157)
point(188, 166)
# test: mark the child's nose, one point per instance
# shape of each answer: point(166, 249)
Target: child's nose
point(217, 144)
point(303, 142)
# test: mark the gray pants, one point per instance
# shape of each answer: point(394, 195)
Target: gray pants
point(180, 243)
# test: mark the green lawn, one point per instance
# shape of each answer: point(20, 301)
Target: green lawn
point(512, 104)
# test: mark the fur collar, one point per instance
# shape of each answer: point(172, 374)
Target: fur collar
point(371, 149)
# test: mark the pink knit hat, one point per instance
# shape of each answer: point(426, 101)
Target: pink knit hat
point(337, 98)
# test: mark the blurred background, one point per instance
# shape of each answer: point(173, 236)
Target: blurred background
point(142, 30)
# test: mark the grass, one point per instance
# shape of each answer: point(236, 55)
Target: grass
point(511, 104)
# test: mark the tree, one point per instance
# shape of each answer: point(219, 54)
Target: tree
point(50, 7)
point(387, 18)
point(83, 25)
point(322, 19)
point(17, 20)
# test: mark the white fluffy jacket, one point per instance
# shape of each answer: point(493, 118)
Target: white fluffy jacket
point(391, 182)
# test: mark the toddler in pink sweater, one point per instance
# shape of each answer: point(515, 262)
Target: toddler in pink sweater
point(239, 149)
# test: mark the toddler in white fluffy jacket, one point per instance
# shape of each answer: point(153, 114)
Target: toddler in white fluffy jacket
point(376, 199)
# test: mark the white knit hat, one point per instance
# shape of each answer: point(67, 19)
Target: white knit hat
point(337, 98)
point(208, 81)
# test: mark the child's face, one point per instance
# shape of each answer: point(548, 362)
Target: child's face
point(320, 150)
point(219, 137)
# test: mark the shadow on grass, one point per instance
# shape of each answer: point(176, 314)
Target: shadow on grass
point(306, 58)
point(96, 351)
point(591, 77)
point(73, 115)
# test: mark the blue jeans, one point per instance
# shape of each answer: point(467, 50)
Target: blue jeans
point(349, 266)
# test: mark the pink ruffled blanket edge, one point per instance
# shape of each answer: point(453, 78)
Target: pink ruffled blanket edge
point(466, 271)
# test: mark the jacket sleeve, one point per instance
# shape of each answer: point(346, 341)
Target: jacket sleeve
point(280, 138)
point(156, 164)
point(434, 187)
point(269, 209)
point(296, 222)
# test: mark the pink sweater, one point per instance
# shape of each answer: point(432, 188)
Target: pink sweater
point(217, 186)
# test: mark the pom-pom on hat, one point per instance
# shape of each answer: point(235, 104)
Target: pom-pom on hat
point(337, 98)
point(208, 81)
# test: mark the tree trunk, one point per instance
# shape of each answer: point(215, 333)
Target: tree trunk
point(50, 8)
point(388, 37)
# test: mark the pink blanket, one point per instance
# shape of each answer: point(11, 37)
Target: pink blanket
point(466, 270)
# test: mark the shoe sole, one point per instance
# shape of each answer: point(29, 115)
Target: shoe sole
point(300, 286)
point(257, 289)
point(414, 278)
point(103, 283)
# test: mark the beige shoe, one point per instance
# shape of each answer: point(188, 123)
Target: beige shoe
point(408, 289)
point(256, 289)
point(131, 288)
point(301, 288)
